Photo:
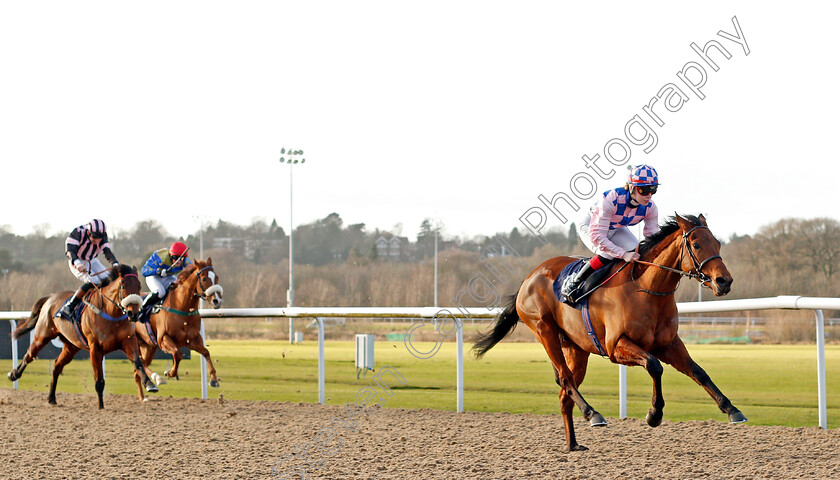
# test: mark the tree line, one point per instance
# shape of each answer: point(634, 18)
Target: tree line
point(337, 265)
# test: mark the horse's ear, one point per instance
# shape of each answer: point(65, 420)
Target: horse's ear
point(683, 223)
point(209, 261)
point(702, 220)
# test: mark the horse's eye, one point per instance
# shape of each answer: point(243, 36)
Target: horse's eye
point(696, 245)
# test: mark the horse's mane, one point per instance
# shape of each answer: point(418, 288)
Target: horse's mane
point(185, 273)
point(115, 273)
point(665, 230)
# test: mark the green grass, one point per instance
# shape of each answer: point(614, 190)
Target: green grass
point(772, 385)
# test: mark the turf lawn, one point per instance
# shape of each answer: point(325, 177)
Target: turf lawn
point(772, 385)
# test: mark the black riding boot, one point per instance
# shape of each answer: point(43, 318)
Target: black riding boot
point(573, 283)
point(66, 311)
point(150, 301)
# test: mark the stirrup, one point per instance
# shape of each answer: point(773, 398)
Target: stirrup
point(570, 286)
point(65, 312)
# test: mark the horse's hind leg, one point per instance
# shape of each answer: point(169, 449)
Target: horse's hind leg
point(147, 353)
point(167, 344)
point(31, 354)
point(549, 335)
point(67, 353)
point(577, 359)
point(129, 346)
point(677, 356)
point(628, 353)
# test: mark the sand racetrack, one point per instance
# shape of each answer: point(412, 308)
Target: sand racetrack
point(190, 438)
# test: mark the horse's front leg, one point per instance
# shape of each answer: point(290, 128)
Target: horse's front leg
point(197, 344)
point(96, 357)
point(628, 353)
point(676, 355)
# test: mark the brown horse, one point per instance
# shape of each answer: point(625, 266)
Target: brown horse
point(177, 322)
point(634, 316)
point(106, 325)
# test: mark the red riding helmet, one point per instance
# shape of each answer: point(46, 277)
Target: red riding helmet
point(178, 249)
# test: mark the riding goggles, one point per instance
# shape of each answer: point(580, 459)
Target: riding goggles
point(647, 189)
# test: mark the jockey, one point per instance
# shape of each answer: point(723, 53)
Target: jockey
point(604, 227)
point(82, 247)
point(162, 269)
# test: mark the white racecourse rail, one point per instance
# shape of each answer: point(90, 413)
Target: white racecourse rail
point(789, 302)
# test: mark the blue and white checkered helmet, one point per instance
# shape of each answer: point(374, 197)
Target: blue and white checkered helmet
point(642, 175)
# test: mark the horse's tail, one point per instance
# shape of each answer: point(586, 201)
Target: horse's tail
point(29, 324)
point(504, 324)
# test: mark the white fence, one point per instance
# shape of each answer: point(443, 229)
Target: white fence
point(791, 302)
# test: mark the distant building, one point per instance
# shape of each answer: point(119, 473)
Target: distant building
point(392, 248)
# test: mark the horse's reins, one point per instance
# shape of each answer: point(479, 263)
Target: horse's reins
point(698, 265)
point(102, 295)
point(596, 287)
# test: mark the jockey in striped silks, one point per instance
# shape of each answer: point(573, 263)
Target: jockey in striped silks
point(82, 247)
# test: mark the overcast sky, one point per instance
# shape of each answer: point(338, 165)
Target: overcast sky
point(464, 111)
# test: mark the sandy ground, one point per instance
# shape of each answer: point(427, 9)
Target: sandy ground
point(189, 438)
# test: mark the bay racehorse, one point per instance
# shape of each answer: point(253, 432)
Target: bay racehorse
point(633, 315)
point(106, 325)
point(176, 322)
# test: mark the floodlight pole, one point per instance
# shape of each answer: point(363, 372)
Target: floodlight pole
point(436, 268)
point(290, 299)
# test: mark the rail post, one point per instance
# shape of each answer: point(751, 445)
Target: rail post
point(14, 350)
point(823, 412)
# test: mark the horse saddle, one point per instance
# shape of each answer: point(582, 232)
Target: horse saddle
point(76, 313)
point(589, 285)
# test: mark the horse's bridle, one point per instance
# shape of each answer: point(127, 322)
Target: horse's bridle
point(696, 273)
point(204, 292)
point(120, 297)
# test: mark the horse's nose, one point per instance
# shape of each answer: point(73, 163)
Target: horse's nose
point(724, 284)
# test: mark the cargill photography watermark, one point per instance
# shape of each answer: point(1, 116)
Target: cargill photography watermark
point(640, 130)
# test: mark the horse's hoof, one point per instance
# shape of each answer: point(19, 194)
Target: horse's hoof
point(11, 375)
point(654, 419)
point(597, 420)
point(159, 380)
point(151, 387)
point(52, 401)
point(214, 383)
point(737, 417)
point(578, 448)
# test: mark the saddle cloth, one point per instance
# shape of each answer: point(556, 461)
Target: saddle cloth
point(583, 303)
point(76, 319)
point(589, 284)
